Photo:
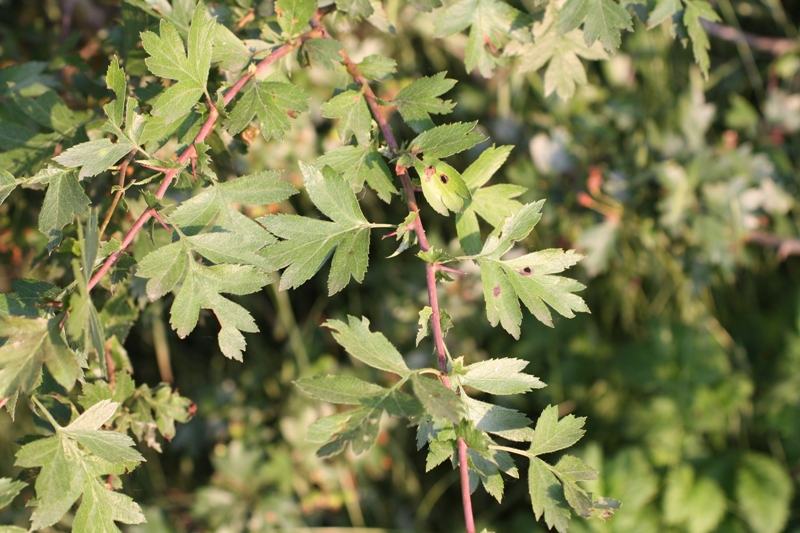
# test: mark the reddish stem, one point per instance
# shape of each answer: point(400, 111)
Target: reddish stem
point(207, 128)
point(465, 495)
point(430, 269)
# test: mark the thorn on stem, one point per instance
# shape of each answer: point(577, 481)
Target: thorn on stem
point(161, 221)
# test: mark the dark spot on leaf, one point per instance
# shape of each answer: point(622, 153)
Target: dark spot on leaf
point(527, 271)
point(444, 179)
point(496, 291)
point(430, 170)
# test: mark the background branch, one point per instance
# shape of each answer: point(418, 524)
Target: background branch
point(775, 45)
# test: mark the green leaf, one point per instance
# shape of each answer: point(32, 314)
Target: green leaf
point(493, 203)
point(425, 322)
point(561, 50)
point(152, 409)
point(359, 428)
point(309, 242)
point(115, 80)
point(234, 273)
point(698, 504)
point(351, 109)
point(31, 343)
point(202, 288)
point(94, 157)
point(7, 184)
point(101, 507)
point(501, 376)
point(12, 529)
point(215, 205)
point(498, 420)
point(425, 5)
point(763, 493)
point(488, 20)
point(418, 100)
point(664, 10)
point(437, 399)
point(552, 434)
point(547, 496)
point(339, 389)
point(446, 140)
point(83, 321)
point(696, 10)
point(50, 111)
point(163, 268)
point(443, 186)
point(356, 9)
point(353, 391)
point(377, 67)
point(359, 164)
point(9, 490)
point(368, 347)
point(529, 278)
point(229, 51)
point(30, 298)
point(70, 466)
point(293, 15)
point(63, 201)
point(321, 52)
point(572, 468)
point(602, 19)
point(169, 59)
point(271, 102)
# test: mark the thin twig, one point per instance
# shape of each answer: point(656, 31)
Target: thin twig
point(123, 169)
point(205, 130)
point(786, 245)
point(775, 45)
point(430, 269)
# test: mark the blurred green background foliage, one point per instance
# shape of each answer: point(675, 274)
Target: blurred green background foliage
point(682, 193)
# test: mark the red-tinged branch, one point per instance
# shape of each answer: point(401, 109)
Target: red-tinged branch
point(776, 46)
point(465, 496)
point(204, 132)
point(430, 269)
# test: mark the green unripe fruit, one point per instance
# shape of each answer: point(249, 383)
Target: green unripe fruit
point(442, 185)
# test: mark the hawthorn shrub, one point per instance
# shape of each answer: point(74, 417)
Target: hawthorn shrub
point(173, 177)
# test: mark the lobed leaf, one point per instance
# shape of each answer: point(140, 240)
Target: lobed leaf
point(487, 19)
point(418, 100)
point(32, 343)
point(446, 140)
point(552, 434)
point(501, 376)
point(355, 120)
point(70, 468)
point(602, 19)
point(307, 243)
point(359, 164)
point(189, 67)
point(293, 15)
point(367, 346)
point(270, 101)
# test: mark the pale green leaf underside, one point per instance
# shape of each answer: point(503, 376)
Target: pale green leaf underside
point(70, 466)
point(367, 346)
